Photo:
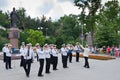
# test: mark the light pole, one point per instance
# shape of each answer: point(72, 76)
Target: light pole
point(46, 32)
point(83, 33)
point(40, 28)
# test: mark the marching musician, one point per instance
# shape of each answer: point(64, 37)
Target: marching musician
point(4, 52)
point(41, 57)
point(55, 57)
point(78, 49)
point(22, 53)
point(64, 56)
point(28, 57)
point(47, 57)
point(8, 56)
point(70, 48)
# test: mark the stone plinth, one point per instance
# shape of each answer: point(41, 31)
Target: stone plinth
point(13, 36)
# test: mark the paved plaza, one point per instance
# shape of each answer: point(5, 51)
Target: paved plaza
point(99, 70)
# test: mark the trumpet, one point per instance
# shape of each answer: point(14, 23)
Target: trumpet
point(10, 51)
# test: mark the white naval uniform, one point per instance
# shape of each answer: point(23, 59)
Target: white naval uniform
point(41, 53)
point(41, 56)
point(28, 60)
point(86, 55)
point(86, 52)
point(54, 52)
point(31, 54)
point(55, 58)
point(4, 53)
point(22, 51)
point(4, 49)
point(64, 51)
point(47, 53)
point(47, 56)
point(8, 58)
point(22, 54)
point(8, 54)
point(64, 57)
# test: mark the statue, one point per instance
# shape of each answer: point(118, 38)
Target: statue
point(13, 18)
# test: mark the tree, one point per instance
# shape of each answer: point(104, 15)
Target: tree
point(92, 6)
point(2, 42)
point(4, 19)
point(108, 24)
point(35, 36)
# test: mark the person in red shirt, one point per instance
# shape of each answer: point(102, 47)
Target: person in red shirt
point(108, 50)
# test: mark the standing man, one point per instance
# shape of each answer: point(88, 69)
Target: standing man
point(8, 56)
point(41, 57)
point(64, 56)
point(55, 57)
point(29, 57)
point(78, 50)
point(22, 53)
point(86, 55)
point(71, 48)
point(47, 56)
point(4, 52)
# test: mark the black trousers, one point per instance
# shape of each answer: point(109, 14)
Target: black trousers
point(64, 61)
point(55, 62)
point(27, 66)
point(51, 58)
point(47, 65)
point(41, 61)
point(70, 57)
point(8, 62)
point(77, 56)
point(37, 57)
point(4, 57)
point(22, 61)
point(86, 62)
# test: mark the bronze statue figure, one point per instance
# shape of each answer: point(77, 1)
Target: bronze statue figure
point(13, 18)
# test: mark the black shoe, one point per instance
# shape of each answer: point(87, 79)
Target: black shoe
point(87, 67)
point(40, 75)
point(48, 72)
point(27, 75)
point(77, 61)
point(55, 69)
point(11, 68)
point(66, 67)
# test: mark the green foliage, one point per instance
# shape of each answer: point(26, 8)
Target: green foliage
point(92, 6)
point(4, 19)
point(103, 23)
point(50, 40)
point(23, 37)
point(3, 33)
point(2, 42)
point(35, 36)
point(108, 25)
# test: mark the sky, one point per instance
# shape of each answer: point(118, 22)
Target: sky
point(36, 8)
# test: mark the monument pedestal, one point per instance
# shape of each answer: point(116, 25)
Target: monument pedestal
point(13, 36)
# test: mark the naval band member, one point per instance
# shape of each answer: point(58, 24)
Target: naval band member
point(8, 56)
point(55, 57)
point(4, 52)
point(64, 56)
point(47, 56)
point(29, 57)
point(41, 57)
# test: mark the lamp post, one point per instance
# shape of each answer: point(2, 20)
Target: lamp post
point(46, 32)
point(83, 33)
point(40, 28)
